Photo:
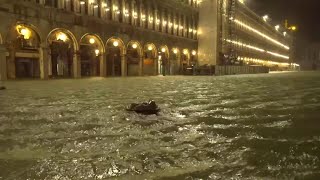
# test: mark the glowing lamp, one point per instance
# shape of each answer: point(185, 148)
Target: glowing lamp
point(92, 41)
point(62, 37)
point(97, 51)
point(115, 43)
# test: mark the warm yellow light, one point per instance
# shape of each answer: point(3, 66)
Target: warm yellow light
point(293, 28)
point(257, 49)
point(134, 46)
point(92, 41)
point(97, 51)
point(175, 51)
point(115, 43)
point(185, 52)
point(150, 48)
point(194, 52)
point(62, 37)
point(163, 50)
point(25, 32)
point(261, 34)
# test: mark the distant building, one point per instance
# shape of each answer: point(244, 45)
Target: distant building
point(240, 36)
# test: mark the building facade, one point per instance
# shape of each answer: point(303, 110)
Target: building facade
point(77, 38)
point(241, 37)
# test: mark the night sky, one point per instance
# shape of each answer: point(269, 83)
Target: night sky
point(304, 13)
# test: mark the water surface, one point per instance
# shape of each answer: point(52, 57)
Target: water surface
point(241, 127)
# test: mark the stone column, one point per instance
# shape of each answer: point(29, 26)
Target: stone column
point(103, 65)
point(43, 62)
point(11, 64)
point(141, 59)
point(3, 63)
point(76, 66)
point(124, 65)
point(155, 63)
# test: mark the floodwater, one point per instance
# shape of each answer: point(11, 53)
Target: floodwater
point(234, 127)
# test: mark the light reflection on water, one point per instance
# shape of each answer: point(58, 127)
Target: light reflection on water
point(241, 127)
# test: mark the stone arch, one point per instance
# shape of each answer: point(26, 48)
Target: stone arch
point(176, 60)
point(29, 32)
point(63, 50)
point(151, 47)
point(115, 57)
point(53, 35)
point(134, 58)
point(165, 51)
point(24, 42)
point(150, 61)
point(86, 39)
point(185, 60)
point(163, 60)
point(121, 45)
point(91, 54)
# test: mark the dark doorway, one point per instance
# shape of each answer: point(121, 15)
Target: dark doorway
point(27, 68)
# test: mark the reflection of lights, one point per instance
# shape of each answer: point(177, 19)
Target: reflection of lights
point(91, 41)
point(277, 27)
point(115, 43)
point(97, 51)
point(194, 52)
point(62, 37)
point(163, 50)
point(134, 46)
point(150, 48)
point(175, 51)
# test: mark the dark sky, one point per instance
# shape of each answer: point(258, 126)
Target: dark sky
point(304, 13)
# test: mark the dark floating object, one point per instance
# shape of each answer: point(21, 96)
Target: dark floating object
point(146, 108)
point(2, 88)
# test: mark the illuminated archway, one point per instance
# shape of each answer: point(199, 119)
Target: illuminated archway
point(91, 55)
point(116, 62)
point(24, 61)
point(175, 61)
point(63, 46)
point(150, 59)
point(163, 60)
point(134, 58)
point(185, 60)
